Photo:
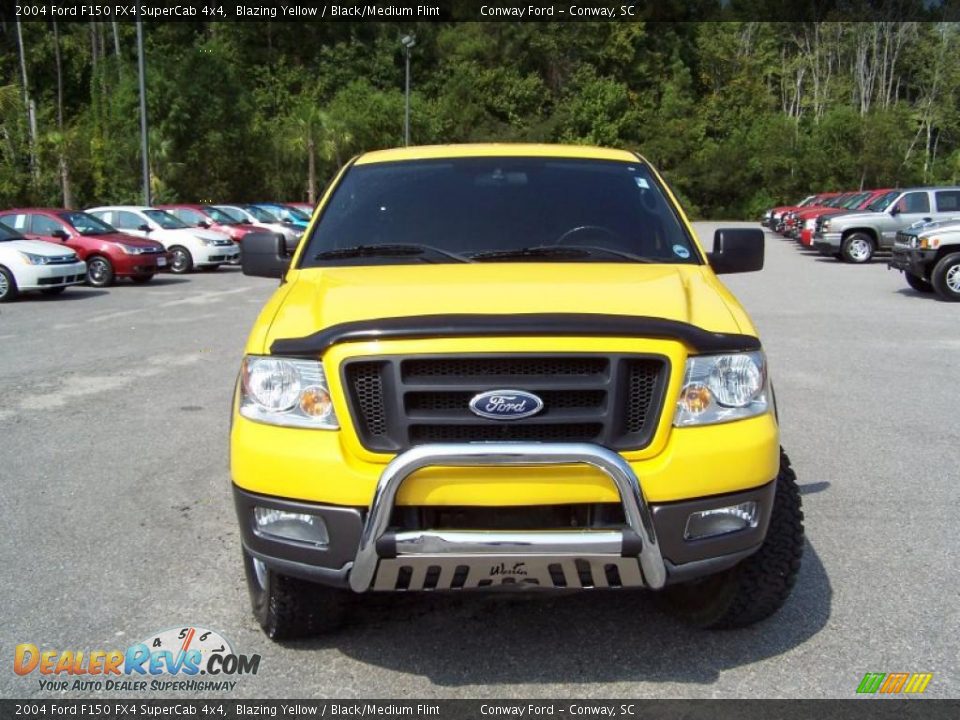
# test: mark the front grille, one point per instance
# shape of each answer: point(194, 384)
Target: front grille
point(60, 280)
point(397, 403)
point(62, 260)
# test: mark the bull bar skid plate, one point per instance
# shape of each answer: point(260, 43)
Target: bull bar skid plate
point(454, 559)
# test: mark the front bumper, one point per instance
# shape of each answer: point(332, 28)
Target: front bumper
point(142, 264)
point(912, 260)
point(42, 277)
point(218, 255)
point(365, 553)
point(827, 243)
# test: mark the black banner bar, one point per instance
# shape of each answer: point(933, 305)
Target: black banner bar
point(873, 708)
point(479, 10)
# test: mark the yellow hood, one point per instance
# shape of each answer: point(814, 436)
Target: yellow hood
point(315, 299)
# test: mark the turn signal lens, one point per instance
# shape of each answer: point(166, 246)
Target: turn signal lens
point(315, 402)
point(695, 399)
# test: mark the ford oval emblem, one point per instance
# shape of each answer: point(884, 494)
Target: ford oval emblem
point(505, 404)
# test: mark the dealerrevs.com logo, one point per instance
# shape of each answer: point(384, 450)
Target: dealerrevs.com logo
point(186, 658)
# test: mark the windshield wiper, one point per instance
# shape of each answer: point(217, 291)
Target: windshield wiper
point(387, 250)
point(559, 252)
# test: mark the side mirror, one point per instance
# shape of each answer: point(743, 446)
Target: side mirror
point(264, 255)
point(144, 228)
point(203, 224)
point(62, 234)
point(287, 221)
point(737, 250)
point(895, 210)
point(246, 222)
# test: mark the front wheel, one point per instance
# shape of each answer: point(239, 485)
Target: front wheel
point(757, 586)
point(918, 283)
point(181, 261)
point(99, 272)
point(946, 277)
point(8, 286)
point(288, 608)
point(857, 248)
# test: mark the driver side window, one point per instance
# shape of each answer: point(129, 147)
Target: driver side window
point(127, 221)
point(915, 202)
point(42, 225)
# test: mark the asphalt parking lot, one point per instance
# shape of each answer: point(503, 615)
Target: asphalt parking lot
point(119, 521)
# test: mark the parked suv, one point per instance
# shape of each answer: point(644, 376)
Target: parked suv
point(109, 254)
point(189, 247)
point(855, 237)
point(929, 257)
point(508, 366)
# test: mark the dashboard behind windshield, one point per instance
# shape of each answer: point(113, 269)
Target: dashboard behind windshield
point(472, 206)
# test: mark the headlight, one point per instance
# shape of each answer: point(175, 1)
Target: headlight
point(207, 241)
point(132, 249)
point(929, 243)
point(826, 225)
point(282, 391)
point(32, 259)
point(810, 224)
point(721, 388)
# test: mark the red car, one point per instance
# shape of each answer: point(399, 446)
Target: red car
point(109, 253)
point(861, 201)
point(793, 220)
point(302, 206)
point(207, 216)
point(774, 217)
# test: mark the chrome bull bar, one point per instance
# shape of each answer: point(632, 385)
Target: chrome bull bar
point(539, 558)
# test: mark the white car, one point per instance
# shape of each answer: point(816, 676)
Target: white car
point(189, 247)
point(36, 265)
point(261, 218)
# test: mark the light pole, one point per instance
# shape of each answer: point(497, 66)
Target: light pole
point(144, 145)
point(408, 41)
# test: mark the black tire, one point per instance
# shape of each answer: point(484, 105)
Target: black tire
point(289, 608)
point(210, 268)
point(918, 283)
point(8, 286)
point(857, 248)
point(99, 271)
point(757, 586)
point(141, 279)
point(946, 277)
point(54, 291)
point(181, 261)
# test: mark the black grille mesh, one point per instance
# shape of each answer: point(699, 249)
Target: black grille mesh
point(366, 383)
point(567, 432)
point(612, 400)
point(414, 370)
point(642, 378)
point(458, 401)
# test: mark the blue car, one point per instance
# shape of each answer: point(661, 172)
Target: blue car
point(286, 214)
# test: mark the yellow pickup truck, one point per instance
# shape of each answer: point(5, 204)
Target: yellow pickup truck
point(508, 367)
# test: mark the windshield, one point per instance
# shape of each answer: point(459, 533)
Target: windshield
point(260, 214)
point(294, 213)
point(8, 233)
point(87, 224)
point(881, 203)
point(165, 220)
point(499, 209)
point(220, 216)
point(806, 201)
point(855, 200)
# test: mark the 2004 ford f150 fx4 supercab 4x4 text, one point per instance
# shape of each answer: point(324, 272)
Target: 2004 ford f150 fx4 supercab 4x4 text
point(508, 366)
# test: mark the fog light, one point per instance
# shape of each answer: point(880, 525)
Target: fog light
point(298, 527)
point(720, 521)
